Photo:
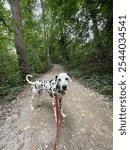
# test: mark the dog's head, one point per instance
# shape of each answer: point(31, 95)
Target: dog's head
point(62, 81)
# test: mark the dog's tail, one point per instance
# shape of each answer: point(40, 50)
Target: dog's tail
point(28, 75)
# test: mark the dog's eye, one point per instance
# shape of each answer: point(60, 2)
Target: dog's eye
point(59, 79)
point(66, 79)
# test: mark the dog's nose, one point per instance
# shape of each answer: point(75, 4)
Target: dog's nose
point(64, 87)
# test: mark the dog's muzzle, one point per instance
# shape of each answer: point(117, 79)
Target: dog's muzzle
point(64, 87)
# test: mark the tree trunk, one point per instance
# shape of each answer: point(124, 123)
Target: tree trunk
point(18, 37)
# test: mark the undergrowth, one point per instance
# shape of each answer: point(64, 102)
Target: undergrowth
point(10, 87)
point(100, 81)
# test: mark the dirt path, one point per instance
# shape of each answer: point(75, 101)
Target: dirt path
point(88, 125)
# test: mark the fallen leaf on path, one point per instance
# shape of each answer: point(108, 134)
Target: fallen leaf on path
point(82, 114)
point(34, 147)
point(41, 123)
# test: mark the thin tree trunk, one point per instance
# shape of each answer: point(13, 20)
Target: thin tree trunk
point(18, 37)
point(47, 53)
point(99, 45)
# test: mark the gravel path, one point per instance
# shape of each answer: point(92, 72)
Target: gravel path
point(88, 125)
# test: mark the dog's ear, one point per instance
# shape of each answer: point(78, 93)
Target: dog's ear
point(56, 77)
point(70, 78)
point(69, 75)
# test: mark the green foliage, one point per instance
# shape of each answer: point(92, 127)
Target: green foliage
point(33, 37)
point(103, 83)
point(9, 71)
point(77, 33)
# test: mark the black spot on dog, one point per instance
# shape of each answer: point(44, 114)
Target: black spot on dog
point(39, 91)
point(56, 77)
point(51, 94)
point(35, 86)
point(50, 81)
point(57, 87)
point(55, 94)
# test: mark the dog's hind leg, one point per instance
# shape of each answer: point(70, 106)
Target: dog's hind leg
point(32, 108)
point(39, 97)
point(34, 96)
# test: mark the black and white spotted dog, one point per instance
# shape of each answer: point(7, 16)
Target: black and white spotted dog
point(56, 86)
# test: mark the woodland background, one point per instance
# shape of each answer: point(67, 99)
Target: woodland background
point(36, 33)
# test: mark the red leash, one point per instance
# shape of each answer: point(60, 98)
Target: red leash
point(57, 122)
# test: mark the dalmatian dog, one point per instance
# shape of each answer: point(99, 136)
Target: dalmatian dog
point(57, 86)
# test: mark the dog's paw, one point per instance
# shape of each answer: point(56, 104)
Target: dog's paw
point(32, 108)
point(39, 104)
point(63, 115)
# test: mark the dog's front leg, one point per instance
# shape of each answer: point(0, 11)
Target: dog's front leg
point(61, 108)
point(54, 107)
